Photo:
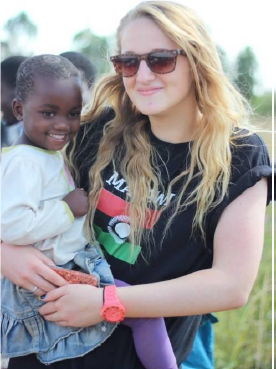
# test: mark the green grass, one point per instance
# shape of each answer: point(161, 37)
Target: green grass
point(244, 337)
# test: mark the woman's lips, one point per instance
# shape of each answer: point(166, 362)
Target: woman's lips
point(149, 91)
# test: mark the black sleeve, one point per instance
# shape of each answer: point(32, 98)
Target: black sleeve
point(250, 163)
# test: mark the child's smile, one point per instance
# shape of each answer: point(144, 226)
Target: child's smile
point(58, 137)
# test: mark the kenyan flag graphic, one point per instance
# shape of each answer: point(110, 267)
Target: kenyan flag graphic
point(112, 211)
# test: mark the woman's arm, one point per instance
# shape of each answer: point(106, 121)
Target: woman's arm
point(27, 267)
point(238, 246)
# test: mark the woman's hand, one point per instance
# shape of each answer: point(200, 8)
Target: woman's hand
point(74, 305)
point(28, 267)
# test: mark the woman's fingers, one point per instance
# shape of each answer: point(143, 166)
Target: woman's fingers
point(42, 276)
point(49, 279)
point(44, 270)
point(39, 292)
point(43, 285)
point(50, 314)
point(57, 293)
point(51, 309)
point(62, 323)
point(28, 267)
point(35, 290)
point(57, 318)
point(44, 258)
point(77, 305)
point(48, 309)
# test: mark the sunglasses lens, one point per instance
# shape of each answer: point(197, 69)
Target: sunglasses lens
point(162, 62)
point(126, 66)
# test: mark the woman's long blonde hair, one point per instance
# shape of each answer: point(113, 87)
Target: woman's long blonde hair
point(223, 111)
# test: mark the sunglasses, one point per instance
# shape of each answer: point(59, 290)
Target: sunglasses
point(161, 62)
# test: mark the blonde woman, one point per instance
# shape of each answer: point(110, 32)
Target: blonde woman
point(177, 188)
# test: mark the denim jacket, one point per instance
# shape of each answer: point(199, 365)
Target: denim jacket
point(24, 330)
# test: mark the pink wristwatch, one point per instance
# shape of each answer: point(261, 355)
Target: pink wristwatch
point(113, 310)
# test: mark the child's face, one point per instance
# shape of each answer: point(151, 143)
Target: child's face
point(51, 116)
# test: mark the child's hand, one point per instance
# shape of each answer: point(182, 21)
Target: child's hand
point(77, 201)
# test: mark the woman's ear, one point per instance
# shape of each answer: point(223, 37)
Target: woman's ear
point(17, 108)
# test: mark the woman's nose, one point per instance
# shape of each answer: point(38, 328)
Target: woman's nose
point(144, 74)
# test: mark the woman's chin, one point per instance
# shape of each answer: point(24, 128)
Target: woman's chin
point(151, 110)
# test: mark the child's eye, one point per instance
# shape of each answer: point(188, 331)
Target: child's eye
point(48, 114)
point(74, 114)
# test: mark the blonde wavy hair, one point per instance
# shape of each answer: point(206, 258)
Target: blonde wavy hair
point(224, 112)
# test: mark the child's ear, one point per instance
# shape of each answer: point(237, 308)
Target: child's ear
point(17, 108)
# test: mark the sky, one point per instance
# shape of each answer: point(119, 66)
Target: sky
point(233, 25)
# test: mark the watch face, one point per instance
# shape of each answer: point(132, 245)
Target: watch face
point(114, 314)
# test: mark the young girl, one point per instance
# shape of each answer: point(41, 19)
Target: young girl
point(187, 179)
point(40, 205)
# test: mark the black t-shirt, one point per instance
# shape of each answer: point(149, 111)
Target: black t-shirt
point(179, 255)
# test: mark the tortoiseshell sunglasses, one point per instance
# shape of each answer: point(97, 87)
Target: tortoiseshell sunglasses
point(161, 62)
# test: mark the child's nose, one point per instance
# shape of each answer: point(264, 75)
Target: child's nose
point(61, 123)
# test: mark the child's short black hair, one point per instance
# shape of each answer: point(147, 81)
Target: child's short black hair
point(9, 68)
point(82, 63)
point(46, 65)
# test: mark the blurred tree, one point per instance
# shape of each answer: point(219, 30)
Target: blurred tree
point(262, 104)
point(94, 47)
point(223, 58)
point(21, 23)
point(19, 32)
point(246, 66)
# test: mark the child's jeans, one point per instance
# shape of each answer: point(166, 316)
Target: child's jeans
point(24, 331)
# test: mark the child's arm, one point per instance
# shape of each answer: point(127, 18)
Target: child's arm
point(25, 217)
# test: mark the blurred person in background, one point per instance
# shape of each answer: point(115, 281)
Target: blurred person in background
point(87, 70)
point(10, 127)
